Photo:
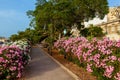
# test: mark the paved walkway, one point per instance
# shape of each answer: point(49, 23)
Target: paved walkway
point(42, 67)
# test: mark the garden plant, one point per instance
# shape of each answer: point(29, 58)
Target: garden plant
point(13, 58)
point(100, 57)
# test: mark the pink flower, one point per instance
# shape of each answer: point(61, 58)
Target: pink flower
point(118, 44)
point(89, 68)
point(117, 76)
point(0, 51)
point(112, 58)
point(13, 68)
point(119, 59)
point(108, 71)
point(8, 77)
point(96, 53)
point(1, 59)
point(19, 75)
point(11, 51)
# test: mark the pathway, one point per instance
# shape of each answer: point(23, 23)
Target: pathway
point(42, 67)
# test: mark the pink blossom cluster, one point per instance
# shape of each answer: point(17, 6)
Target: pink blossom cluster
point(12, 62)
point(100, 54)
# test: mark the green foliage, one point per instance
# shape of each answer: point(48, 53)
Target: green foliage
point(100, 57)
point(62, 14)
point(51, 17)
point(14, 37)
point(92, 31)
point(62, 51)
point(29, 34)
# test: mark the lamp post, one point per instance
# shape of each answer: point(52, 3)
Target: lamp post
point(64, 32)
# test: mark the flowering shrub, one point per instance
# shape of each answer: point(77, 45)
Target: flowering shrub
point(12, 60)
point(100, 57)
point(11, 63)
point(25, 47)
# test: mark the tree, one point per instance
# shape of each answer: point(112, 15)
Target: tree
point(62, 14)
point(14, 37)
point(92, 31)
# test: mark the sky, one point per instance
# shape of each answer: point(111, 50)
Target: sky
point(13, 16)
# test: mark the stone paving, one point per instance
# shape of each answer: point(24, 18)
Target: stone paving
point(42, 67)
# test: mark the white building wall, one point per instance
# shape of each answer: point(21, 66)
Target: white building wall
point(95, 21)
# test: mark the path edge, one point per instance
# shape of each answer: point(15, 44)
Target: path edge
point(62, 66)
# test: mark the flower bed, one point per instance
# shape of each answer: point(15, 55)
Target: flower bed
point(100, 57)
point(12, 61)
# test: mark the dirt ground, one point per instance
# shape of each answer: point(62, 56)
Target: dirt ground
point(79, 71)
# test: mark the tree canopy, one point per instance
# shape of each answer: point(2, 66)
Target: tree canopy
point(68, 12)
point(51, 17)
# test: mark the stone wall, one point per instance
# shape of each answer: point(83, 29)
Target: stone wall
point(112, 27)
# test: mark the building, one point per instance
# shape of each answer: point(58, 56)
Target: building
point(2, 39)
point(111, 29)
point(110, 24)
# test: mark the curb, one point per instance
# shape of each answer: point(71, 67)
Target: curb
point(62, 66)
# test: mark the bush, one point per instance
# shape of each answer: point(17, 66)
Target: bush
point(100, 57)
point(92, 31)
point(11, 62)
point(13, 59)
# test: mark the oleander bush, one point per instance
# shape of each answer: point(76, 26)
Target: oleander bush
point(13, 58)
point(100, 57)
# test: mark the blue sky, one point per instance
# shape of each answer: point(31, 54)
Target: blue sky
point(13, 16)
point(114, 2)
